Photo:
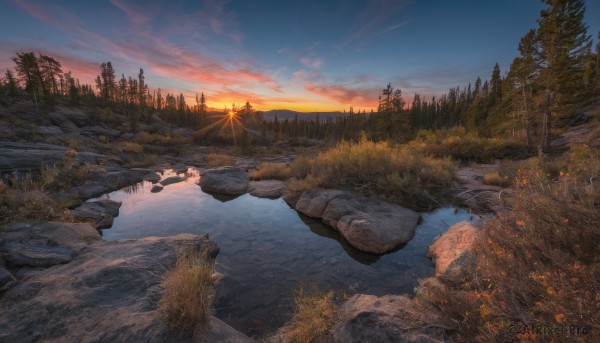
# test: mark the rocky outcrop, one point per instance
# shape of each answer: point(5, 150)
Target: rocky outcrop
point(45, 244)
point(6, 279)
point(472, 192)
point(367, 224)
point(99, 130)
point(271, 189)
point(109, 292)
point(101, 213)
point(452, 253)
point(22, 156)
point(111, 181)
point(390, 318)
point(224, 180)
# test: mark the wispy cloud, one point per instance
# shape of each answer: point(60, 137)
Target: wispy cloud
point(136, 15)
point(311, 62)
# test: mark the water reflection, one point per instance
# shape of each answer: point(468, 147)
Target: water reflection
point(316, 226)
point(268, 249)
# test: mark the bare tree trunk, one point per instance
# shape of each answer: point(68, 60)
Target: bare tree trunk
point(546, 123)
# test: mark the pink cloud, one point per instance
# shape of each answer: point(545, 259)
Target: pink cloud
point(344, 95)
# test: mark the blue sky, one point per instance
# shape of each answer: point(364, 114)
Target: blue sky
point(302, 55)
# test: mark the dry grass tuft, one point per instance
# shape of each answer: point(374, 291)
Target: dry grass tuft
point(133, 147)
point(392, 173)
point(220, 160)
point(189, 291)
point(496, 179)
point(270, 171)
point(314, 318)
point(300, 167)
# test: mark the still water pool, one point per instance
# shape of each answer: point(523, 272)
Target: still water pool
point(268, 249)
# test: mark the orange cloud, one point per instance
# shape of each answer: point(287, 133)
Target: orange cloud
point(366, 97)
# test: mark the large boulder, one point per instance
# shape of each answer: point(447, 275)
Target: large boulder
point(390, 318)
point(453, 254)
point(271, 189)
point(101, 212)
point(224, 180)
point(45, 244)
point(367, 224)
point(108, 293)
point(313, 202)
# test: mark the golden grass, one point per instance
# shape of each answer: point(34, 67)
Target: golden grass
point(140, 160)
point(496, 179)
point(133, 147)
point(537, 264)
point(300, 167)
point(220, 160)
point(379, 169)
point(269, 171)
point(314, 317)
point(189, 291)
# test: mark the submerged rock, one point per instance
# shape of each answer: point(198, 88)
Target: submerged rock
point(271, 189)
point(109, 182)
point(101, 212)
point(46, 244)
point(224, 180)
point(452, 252)
point(171, 180)
point(156, 189)
point(109, 292)
point(390, 318)
point(367, 224)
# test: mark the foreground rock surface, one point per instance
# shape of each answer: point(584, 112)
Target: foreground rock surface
point(108, 293)
point(271, 189)
point(367, 224)
point(452, 252)
point(111, 181)
point(390, 318)
point(45, 244)
point(101, 213)
point(224, 180)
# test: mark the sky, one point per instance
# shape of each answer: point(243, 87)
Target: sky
point(308, 55)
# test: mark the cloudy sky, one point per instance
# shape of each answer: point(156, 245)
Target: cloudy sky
point(301, 55)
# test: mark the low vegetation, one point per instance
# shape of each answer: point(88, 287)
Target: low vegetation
point(495, 179)
point(189, 291)
point(270, 171)
point(460, 145)
point(314, 317)
point(378, 169)
point(538, 265)
point(220, 160)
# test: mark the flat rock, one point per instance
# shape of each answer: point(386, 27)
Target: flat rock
point(44, 244)
point(390, 318)
point(108, 293)
point(98, 130)
point(24, 156)
point(367, 224)
point(224, 180)
point(452, 252)
point(6, 279)
point(180, 169)
point(100, 212)
point(49, 130)
point(171, 180)
point(110, 181)
point(271, 189)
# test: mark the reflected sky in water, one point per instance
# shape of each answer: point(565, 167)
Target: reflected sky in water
point(268, 249)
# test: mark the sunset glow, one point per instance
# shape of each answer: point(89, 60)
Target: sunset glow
point(311, 56)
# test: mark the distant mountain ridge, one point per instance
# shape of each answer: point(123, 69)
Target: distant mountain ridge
point(291, 115)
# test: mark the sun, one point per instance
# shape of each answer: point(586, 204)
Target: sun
point(231, 114)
